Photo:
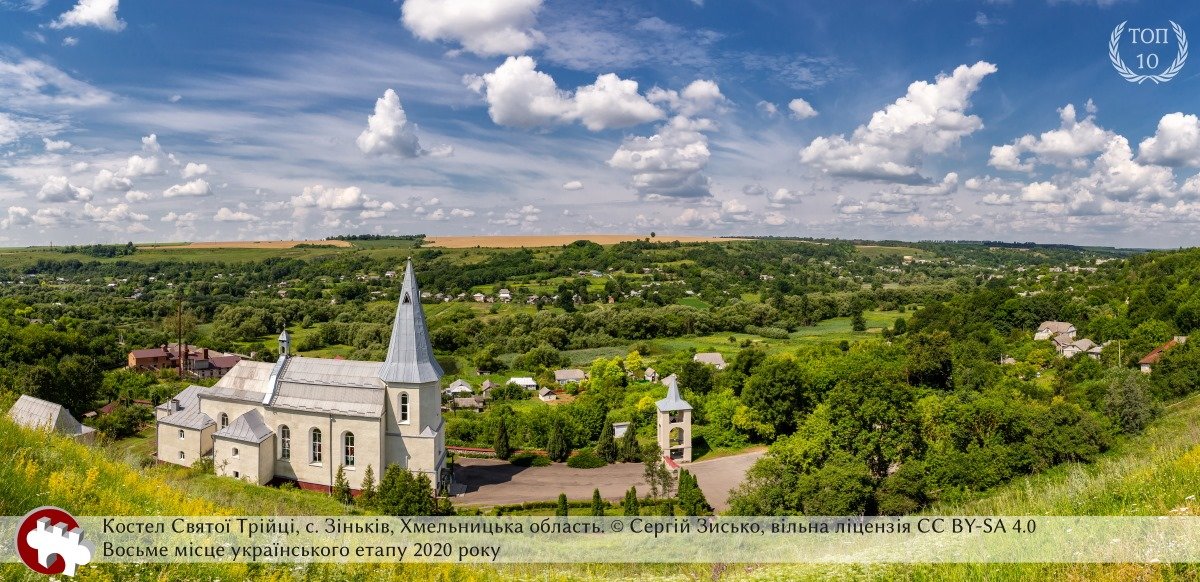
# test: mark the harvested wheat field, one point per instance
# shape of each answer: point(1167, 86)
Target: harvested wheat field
point(255, 244)
point(550, 240)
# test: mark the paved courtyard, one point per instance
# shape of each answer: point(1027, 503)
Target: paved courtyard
point(495, 482)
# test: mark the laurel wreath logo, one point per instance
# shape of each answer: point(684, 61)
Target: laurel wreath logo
point(1114, 55)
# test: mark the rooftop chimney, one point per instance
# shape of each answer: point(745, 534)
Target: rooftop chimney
point(175, 405)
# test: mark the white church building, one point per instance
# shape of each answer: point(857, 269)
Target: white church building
point(299, 419)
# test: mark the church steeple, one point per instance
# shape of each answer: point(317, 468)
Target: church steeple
point(410, 354)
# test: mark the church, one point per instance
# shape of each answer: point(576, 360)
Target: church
point(299, 419)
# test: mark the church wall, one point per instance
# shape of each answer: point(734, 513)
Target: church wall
point(213, 407)
point(195, 444)
point(367, 450)
point(247, 464)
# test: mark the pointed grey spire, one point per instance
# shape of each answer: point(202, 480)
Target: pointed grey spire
point(410, 354)
point(673, 401)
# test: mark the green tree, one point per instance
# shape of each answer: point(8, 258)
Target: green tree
point(628, 450)
point(782, 389)
point(606, 447)
point(696, 377)
point(402, 493)
point(341, 487)
point(668, 508)
point(558, 447)
point(1128, 402)
point(598, 504)
point(501, 444)
point(656, 473)
point(691, 498)
point(368, 495)
point(631, 506)
point(858, 322)
point(562, 509)
point(929, 360)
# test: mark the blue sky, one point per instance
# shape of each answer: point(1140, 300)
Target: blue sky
point(931, 119)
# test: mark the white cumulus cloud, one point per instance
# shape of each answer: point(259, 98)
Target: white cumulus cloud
point(197, 187)
point(801, 109)
point(226, 215)
point(483, 27)
point(192, 169)
point(59, 189)
point(101, 14)
point(1176, 142)
point(573, 185)
point(670, 163)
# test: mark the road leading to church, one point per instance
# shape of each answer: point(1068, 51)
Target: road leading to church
point(493, 482)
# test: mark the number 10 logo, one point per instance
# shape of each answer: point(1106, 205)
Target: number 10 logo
point(1148, 61)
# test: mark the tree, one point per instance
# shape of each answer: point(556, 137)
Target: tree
point(402, 493)
point(697, 377)
point(668, 508)
point(341, 487)
point(598, 504)
point(929, 360)
point(606, 447)
point(656, 473)
point(858, 322)
point(900, 326)
point(781, 389)
point(629, 451)
point(1128, 402)
point(368, 495)
point(562, 509)
point(558, 447)
point(631, 505)
point(691, 498)
point(501, 444)
point(634, 364)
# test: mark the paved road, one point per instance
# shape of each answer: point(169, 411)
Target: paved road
point(493, 482)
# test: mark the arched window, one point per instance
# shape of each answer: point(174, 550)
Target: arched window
point(235, 451)
point(285, 443)
point(404, 407)
point(316, 445)
point(224, 420)
point(675, 437)
point(181, 435)
point(348, 449)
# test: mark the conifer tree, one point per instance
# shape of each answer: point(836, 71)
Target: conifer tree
point(341, 487)
point(503, 449)
point(631, 504)
point(606, 447)
point(598, 504)
point(368, 495)
point(562, 509)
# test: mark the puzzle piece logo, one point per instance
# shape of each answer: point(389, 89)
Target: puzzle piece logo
point(50, 541)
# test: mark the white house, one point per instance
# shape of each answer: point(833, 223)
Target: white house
point(524, 382)
point(573, 375)
point(504, 295)
point(1052, 329)
point(299, 419)
point(713, 359)
point(547, 395)
point(459, 387)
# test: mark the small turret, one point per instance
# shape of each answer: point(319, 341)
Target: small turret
point(285, 344)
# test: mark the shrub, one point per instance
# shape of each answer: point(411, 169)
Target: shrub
point(530, 460)
point(767, 332)
point(585, 459)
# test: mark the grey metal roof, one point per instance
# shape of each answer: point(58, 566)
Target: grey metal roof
point(569, 375)
point(711, 358)
point(188, 418)
point(410, 354)
point(673, 401)
point(459, 383)
point(349, 373)
point(33, 412)
point(248, 428)
point(349, 401)
point(187, 398)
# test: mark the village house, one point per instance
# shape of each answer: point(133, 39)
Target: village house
point(39, 414)
point(299, 419)
point(479, 297)
point(199, 363)
point(1052, 329)
point(651, 375)
point(524, 382)
point(1083, 346)
point(459, 388)
point(474, 403)
point(713, 359)
point(504, 295)
point(1152, 358)
point(547, 395)
point(571, 376)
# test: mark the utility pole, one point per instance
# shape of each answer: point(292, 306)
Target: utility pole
point(180, 350)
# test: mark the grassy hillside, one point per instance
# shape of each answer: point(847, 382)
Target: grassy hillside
point(1154, 473)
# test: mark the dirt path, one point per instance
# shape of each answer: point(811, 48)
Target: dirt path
point(493, 482)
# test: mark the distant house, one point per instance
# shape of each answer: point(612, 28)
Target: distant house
point(713, 359)
point(651, 375)
point(479, 297)
point(672, 378)
point(619, 429)
point(1157, 353)
point(524, 382)
point(504, 295)
point(474, 403)
point(459, 387)
point(39, 414)
point(1083, 346)
point(546, 395)
point(1052, 329)
point(198, 362)
point(573, 375)
point(1007, 361)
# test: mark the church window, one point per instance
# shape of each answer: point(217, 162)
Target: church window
point(285, 442)
point(348, 452)
point(181, 435)
point(224, 420)
point(316, 445)
point(404, 407)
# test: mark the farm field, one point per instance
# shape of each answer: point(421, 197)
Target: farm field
point(254, 244)
point(506, 241)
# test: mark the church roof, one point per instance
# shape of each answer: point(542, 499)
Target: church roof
point(410, 354)
point(348, 387)
point(248, 428)
point(33, 412)
point(188, 418)
point(673, 401)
